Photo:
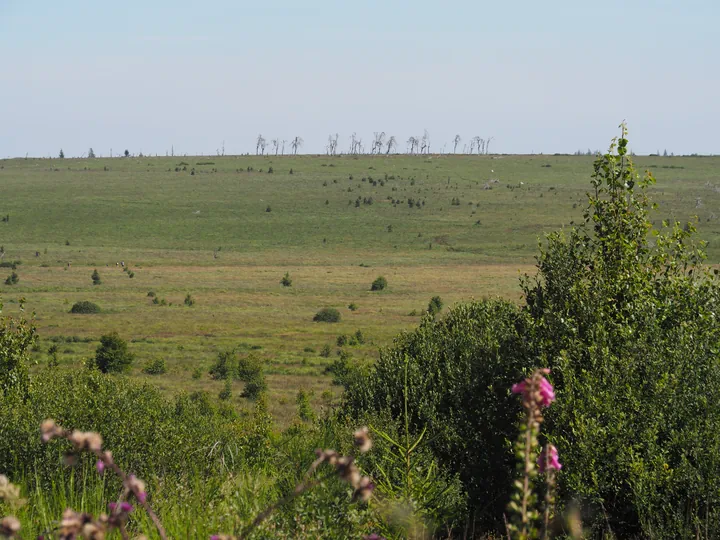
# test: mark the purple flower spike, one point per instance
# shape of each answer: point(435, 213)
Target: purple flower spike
point(126, 507)
point(100, 466)
point(111, 507)
point(142, 496)
point(549, 454)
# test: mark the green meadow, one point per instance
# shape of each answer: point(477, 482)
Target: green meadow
point(225, 230)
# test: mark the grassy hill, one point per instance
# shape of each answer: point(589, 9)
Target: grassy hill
point(225, 230)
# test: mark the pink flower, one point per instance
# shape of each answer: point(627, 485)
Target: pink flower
point(142, 496)
point(547, 393)
point(126, 507)
point(552, 459)
point(100, 465)
point(519, 388)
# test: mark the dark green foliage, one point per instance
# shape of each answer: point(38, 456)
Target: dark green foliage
point(197, 373)
point(329, 315)
point(379, 284)
point(268, 209)
point(151, 294)
point(112, 356)
point(341, 340)
point(85, 307)
point(62, 154)
point(460, 370)
point(96, 277)
point(325, 351)
point(12, 279)
point(189, 301)
point(359, 337)
point(223, 367)
point(435, 306)
point(286, 281)
point(352, 306)
point(9, 264)
point(250, 370)
point(155, 367)
point(53, 361)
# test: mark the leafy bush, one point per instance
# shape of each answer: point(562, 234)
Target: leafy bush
point(17, 337)
point(286, 281)
point(224, 367)
point(226, 392)
point(96, 278)
point(325, 351)
point(250, 371)
point(341, 341)
point(151, 294)
point(329, 315)
point(12, 279)
point(352, 306)
point(304, 409)
point(379, 284)
point(189, 300)
point(435, 306)
point(85, 307)
point(155, 367)
point(112, 356)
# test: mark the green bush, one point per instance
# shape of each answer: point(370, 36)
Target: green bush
point(96, 278)
point(286, 281)
point(250, 370)
point(226, 392)
point(352, 306)
point(329, 315)
point(12, 279)
point(189, 301)
point(85, 307)
point(304, 409)
point(379, 284)
point(341, 341)
point(435, 306)
point(112, 356)
point(224, 366)
point(625, 316)
point(325, 351)
point(17, 337)
point(155, 367)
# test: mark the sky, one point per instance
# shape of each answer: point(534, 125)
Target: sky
point(554, 76)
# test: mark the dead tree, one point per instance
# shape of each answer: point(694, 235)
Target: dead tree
point(332, 144)
point(378, 143)
point(487, 144)
point(296, 143)
point(354, 143)
point(283, 147)
point(425, 143)
point(260, 145)
point(276, 145)
point(456, 141)
point(391, 144)
point(411, 144)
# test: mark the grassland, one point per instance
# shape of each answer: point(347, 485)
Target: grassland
point(201, 226)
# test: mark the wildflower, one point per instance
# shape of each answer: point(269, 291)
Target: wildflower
point(362, 439)
point(547, 393)
point(536, 388)
point(364, 490)
point(137, 486)
point(9, 526)
point(549, 455)
point(100, 466)
point(49, 430)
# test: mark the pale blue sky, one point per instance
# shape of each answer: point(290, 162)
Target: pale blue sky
point(548, 77)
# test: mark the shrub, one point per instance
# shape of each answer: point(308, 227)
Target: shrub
point(286, 281)
point(226, 392)
point(341, 341)
point(197, 373)
point(352, 306)
point(53, 361)
point(328, 315)
point(250, 370)
point(379, 284)
point(223, 367)
point(189, 301)
point(268, 209)
point(112, 355)
point(17, 337)
point(151, 294)
point(304, 409)
point(325, 351)
point(155, 367)
point(96, 278)
point(359, 337)
point(85, 307)
point(12, 279)
point(435, 306)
